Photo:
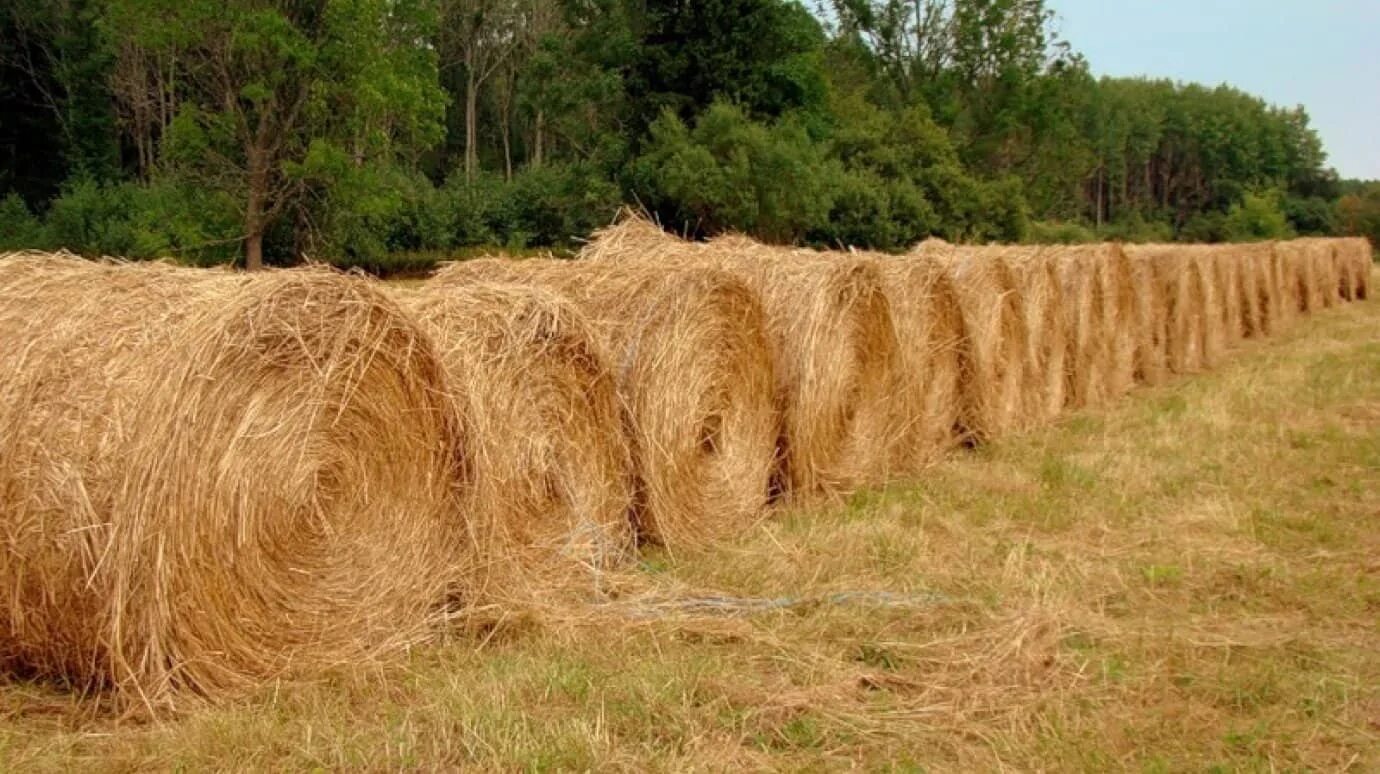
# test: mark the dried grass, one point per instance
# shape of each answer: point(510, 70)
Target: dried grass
point(1355, 257)
point(1086, 320)
point(550, 503)
point(999, 379)
point(212, 480)
point(833, 342)
point(690, 356)
point(1036, 273)
point(932, 356)
point(1183, 283)
point(1151, 316)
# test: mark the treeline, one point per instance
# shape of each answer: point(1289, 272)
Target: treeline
point(387, 133)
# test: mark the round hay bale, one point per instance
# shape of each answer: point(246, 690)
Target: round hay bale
point(836, 352)
point(1214, 343)
point(1111, 272)
point(995, 389)
point(1326, 268)
point(550, 503)
point(931, 352)
point(1152, 320)
point(1284, 276)
point(1226, 271)
point(1183, 284)
point(214, 479)
point(1301, 264)
point(1254, 290)
point(834, 344)
point(690, 357)
point(1037, 278)
point(1357, 259)
point(1086, 321)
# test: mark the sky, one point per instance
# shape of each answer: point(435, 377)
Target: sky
point(1322, 54)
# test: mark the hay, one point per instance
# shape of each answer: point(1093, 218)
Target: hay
point(691, 362)
point(832, 338)
point(212, 479)
point(1256, 300)
point(998, 380)
point(1225, 265)
point(1183, 284)
point(932, 356)
point(1086, 324)
point(549, 508)
point(1301, 278)
point(1151, 320)
point(1112, 278)
point(1036, 273)
point(1355, 258)
point(1214, 343)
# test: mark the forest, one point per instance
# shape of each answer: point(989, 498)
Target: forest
point(390, 134)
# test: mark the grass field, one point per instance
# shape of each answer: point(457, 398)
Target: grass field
point(1189, 580)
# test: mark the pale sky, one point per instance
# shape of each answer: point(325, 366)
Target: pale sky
point(1324, 55)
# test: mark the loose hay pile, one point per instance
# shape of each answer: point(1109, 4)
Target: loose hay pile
point(550, 503)
point(213, 479)
point(690, 358)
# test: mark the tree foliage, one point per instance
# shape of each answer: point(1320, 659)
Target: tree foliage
point(361, 130)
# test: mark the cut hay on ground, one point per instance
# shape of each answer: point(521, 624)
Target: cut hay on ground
point(832, 338)
point(998, 381)
point(550, 504)
point(690, 357)
point(211, 479)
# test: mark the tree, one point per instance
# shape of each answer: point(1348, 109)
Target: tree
point(275, 90)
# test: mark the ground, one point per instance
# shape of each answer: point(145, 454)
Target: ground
point(1188, 580)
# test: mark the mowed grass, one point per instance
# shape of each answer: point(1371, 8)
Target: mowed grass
point(1188, 580)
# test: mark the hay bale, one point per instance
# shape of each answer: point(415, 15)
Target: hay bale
point(1302, 262)
point(1183, 283)
point(1356, 258)
point(1036, 273)
point(997, 384)
point(693, 369)
point(1225, 265)
point(932, 356)
point(1256, 301)
point(1086, 324)
point(832, 339)
point(1214, 343)
point(213, 479)
point(835, 344)
point(550, 503)
point(1151, 320)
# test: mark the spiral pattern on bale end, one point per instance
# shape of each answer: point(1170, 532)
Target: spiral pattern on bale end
point(212, 479)
point(551, 494)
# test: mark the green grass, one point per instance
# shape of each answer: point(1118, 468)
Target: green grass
point(1188, 580)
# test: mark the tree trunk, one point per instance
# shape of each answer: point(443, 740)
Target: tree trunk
point(539, 141)
point(471, 122)
point(254, 252)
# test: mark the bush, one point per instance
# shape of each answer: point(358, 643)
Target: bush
point(1256, 217)
point(1053, 232)
point(19, 229)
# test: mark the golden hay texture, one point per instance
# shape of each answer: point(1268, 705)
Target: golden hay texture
point(932, 356)
point(1114, 310)
point(1036, 273)
point(689, 354)
point(1226, 271)
point(1203, 259)
point(550, 504)
point(1152, 320)
point(1183, 284)
point(1086, 316)
point(998, 380)
point(1355, 258)
point(1301, 261)
point(1255, 290)
point(832, 339)
point(212, 479)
